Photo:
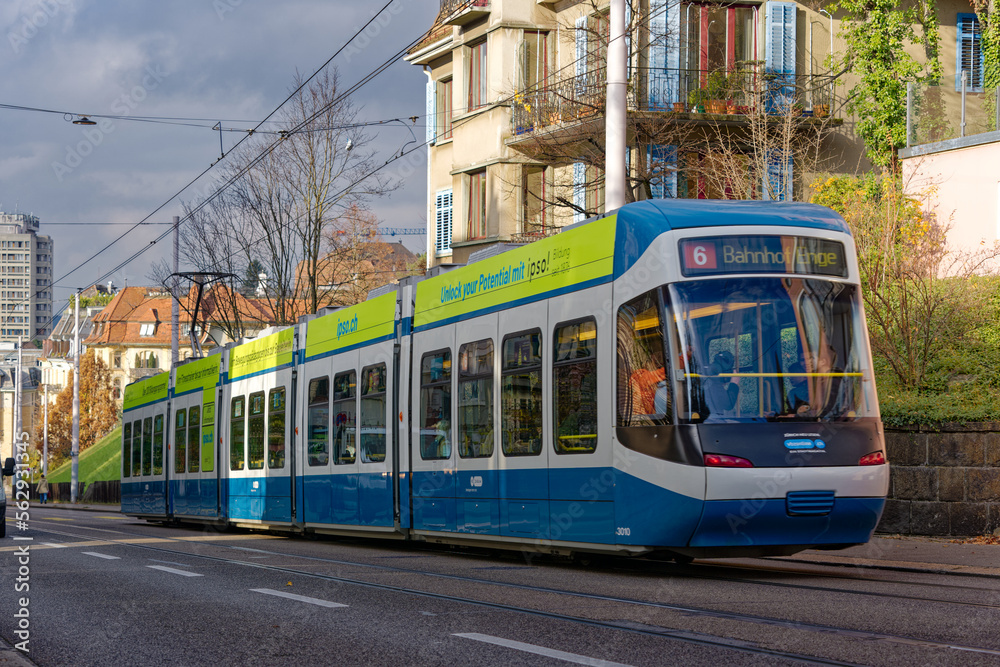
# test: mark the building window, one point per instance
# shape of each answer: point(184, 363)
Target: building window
point(117, 360)
point(477, 204)
point(147, 329)
point(969, 53)
point(533, 57)
point(442, 239)
point(476, 84)
point(444, 109)
point(533, 200)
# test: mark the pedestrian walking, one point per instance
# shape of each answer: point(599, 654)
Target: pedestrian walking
point(43, 490)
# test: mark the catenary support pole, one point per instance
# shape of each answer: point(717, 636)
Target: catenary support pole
point(615, 140)
point(175, 310)
point(75, 446)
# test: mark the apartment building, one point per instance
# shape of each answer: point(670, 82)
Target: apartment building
point(725, 100)
point(25, 280)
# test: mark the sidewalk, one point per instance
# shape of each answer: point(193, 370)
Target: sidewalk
point(939, 555)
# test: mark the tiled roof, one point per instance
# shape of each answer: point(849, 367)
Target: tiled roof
point(121, 321)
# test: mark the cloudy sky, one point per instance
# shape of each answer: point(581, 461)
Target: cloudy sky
point(228, 60)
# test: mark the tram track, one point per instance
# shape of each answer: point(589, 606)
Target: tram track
point(627, 626)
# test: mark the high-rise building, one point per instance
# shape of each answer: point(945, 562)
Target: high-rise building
point(25, 279)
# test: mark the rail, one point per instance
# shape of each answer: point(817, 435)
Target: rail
point(653, 89)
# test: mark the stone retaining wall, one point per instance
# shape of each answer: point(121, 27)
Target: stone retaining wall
point(943, 482)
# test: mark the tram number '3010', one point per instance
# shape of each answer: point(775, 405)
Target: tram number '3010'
point(622, 531)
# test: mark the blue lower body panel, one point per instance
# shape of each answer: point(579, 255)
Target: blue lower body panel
point(195, 497)
point(737, 523)
point(144, 497)
point(348, 499)
point(267, 499)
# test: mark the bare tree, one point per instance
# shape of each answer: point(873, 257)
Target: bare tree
point(737, 132)
point(356, 260)
point(277, 199)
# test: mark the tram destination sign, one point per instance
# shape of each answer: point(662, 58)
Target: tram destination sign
point(762, 254)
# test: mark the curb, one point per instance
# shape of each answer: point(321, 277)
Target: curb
point(11, 657)
point(898, 566)
point(80, 508)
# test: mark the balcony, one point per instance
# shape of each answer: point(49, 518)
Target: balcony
point(460, 12)
point(695, 96)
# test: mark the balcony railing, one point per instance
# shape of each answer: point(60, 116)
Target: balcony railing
point(460, 12)
point(737, 93)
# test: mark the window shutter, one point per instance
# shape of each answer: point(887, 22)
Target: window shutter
point(780, 56)
point(969, 53)
point(442, 240)
point(579, 191)
point(662, 162)
point(777, 185)
point(664, 54)
point(431, 115)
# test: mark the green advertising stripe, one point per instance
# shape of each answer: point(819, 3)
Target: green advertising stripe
point(573, 257)
point(199, 374)
point(262, 354)
point(146, 391)
point(353, 326)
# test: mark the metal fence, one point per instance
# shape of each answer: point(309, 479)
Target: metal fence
point(940, 113)
point(449, 7)
point(689, 91)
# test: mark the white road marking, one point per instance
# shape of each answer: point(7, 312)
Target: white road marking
point(54, 545)
point(174, 571)
point(539, 650)
point(300, 598)
point(105, 556)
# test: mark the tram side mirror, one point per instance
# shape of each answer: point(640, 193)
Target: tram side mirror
point(8, 467)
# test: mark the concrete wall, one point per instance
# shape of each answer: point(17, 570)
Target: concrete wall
point(953, 178)
point(944, 482)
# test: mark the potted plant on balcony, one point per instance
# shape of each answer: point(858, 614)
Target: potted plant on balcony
point(696, 99)
point(718, 92)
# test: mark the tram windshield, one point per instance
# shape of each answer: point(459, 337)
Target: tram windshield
point(774, 349)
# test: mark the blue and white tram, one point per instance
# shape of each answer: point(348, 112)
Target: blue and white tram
point(684, 377)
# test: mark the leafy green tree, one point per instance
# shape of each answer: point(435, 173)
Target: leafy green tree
point(877, 34)
point(925, 305)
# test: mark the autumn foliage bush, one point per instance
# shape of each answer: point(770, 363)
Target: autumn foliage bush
point(933, 313)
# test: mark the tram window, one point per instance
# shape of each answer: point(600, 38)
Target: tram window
point(521, 395)
point(345, 417)
point(180, 440)
point(237, 428)
point(147, 445)
point(137, 448)
point(255, 431)
point(475, 400)
point(207, 438)
point(574, 388)
point(643, 395)
point(276, 428)
point(373, 414)
point(319, 421)
point(194, 439)
point(435, 405)
point(127, 449)
point(158, 445)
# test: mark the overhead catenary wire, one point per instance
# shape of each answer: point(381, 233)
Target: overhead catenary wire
point(267, 150)
point(290, 96)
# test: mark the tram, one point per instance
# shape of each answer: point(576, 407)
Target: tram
point(681, 378)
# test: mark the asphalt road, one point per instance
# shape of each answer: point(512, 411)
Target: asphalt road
point(107, 589)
